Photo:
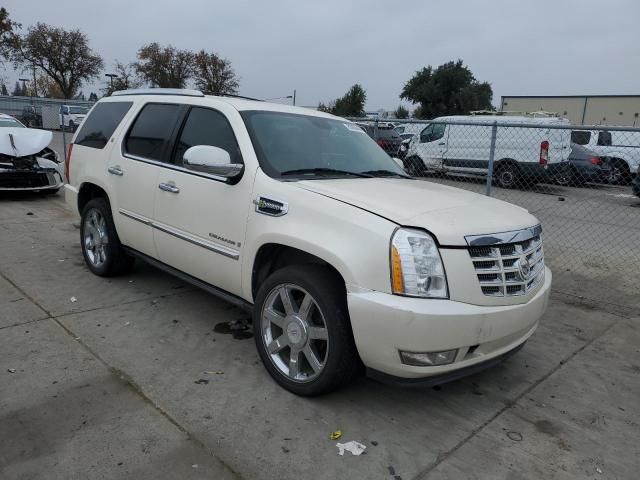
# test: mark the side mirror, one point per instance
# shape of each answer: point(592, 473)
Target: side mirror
point(211, 160)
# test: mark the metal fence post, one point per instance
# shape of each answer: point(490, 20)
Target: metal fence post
point(492, 154)
point(64, 137)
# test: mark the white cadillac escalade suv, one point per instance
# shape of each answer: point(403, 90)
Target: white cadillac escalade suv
point(299, 217)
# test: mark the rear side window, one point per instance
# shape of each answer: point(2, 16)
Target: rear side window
point(580, 137)
point(98, 127)
point(388, 133)
point(149, 135)
point(207, 127)
point(604, 139)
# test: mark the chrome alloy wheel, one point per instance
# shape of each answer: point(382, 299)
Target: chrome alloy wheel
point(95, 237)
point(294, 333)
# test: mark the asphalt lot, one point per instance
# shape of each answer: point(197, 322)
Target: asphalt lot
point(105, 386)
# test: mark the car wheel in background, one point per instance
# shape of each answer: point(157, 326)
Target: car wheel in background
point(506, 175)
point(302, 330)
point(101, 247)
point(414, 166)
point(619, 173)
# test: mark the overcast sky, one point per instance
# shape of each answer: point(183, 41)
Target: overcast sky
point(321, 48)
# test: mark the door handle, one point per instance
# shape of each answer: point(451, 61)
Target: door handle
point(167, 187)
point(442, 143)
point(116, 170)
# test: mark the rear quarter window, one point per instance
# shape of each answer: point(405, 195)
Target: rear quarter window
point(580, 137)
point(97, 128)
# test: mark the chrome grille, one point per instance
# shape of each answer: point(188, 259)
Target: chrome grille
point(509, 269)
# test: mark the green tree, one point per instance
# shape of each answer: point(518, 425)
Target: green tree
point(213, 75)
point(93, 97)
point(166, 67)
point(352, 103)
point(401, 112)
point(3, 90)
point(62, 55)
point(450, 89)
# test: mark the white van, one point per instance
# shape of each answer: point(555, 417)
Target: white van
point(523, 155)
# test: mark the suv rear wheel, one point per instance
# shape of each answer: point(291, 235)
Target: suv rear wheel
point(302, 330)
point(101, 246)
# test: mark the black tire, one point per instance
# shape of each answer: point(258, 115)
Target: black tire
point(414, 166)
point(342, 362)
point(507, 175)
point(72, 126)
point(116, 260)
point(619, 173)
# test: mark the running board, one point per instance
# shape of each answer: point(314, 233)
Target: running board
point(218, 292)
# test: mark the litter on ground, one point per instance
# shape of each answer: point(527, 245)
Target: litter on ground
point(356, 448)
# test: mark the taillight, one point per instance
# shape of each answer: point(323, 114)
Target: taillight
point(381, 142)
point(595, 160)
point(67, 161)
point(544, 152)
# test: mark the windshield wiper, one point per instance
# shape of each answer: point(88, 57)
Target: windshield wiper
point(384, 173)
point(330, 171)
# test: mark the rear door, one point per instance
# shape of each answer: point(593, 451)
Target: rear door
point(133, 173)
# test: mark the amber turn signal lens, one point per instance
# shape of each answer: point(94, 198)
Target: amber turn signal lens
point(396, 271)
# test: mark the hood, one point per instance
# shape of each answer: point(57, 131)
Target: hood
point(22, 142)
point(447, 212)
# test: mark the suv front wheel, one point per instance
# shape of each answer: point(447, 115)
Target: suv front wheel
point(302, 330)
point(101, 246)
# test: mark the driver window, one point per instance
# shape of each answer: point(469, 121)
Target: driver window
point(206, 127)
point(426, 134)
point(433, 132)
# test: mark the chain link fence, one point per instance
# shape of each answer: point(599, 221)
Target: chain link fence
point(580, 181)
point(41, 112)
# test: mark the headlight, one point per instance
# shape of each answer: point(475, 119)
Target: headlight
point(416, 266)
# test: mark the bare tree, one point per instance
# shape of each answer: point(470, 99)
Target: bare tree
point(214, 75)
point(63, 55)
point(166, 67)
point(126, 79)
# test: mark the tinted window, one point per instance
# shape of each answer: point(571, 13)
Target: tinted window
point(580, 137)
point(151, 130)
point(434, 131)
point(388, 133)
point(604, 139)
point(98, 127)
point(207, 127)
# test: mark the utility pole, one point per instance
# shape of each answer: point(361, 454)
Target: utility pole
point(294, 97)
point(35, 84)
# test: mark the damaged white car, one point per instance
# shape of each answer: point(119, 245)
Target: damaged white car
point(26, 161)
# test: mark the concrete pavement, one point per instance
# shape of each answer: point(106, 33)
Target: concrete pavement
point(104, 387)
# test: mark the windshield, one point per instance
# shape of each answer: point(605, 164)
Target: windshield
point(10, 122)
point(288, 142)
point(78, 110)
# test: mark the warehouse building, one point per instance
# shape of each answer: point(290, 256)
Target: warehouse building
point(622, 110)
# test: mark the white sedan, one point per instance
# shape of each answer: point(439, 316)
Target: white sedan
point(26, 161)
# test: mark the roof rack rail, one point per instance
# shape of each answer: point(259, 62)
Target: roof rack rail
point(499, 113)
point(238, 96)
point(159, 91)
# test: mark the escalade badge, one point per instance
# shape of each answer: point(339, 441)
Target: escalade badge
point(268, 206)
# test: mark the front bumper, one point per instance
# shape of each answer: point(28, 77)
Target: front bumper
point(384, 324)
point(30, 180)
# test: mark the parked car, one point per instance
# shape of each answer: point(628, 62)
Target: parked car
point(523, 155)
point(26, 161)
point(622, 149)
point(71, 116)
point(300, 218)
point(582, 166)
point(30, 116)
point(636, 183)
point(404, 146)
point(384, 135)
